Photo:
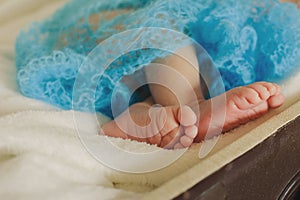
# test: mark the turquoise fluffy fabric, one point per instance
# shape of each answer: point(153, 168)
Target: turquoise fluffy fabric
point(247, 41)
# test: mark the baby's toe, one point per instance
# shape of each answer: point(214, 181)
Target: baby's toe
point(263, 89)
point(186, 141)
point(276, 101)
point(191, 131)
point(278, 89)
point(187, 117)
point(273, 88)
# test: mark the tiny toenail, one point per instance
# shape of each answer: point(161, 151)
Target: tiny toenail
point(185, 141)
point(191, 131)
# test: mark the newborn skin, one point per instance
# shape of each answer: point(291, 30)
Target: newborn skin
point(175, 127)
point(183, 118)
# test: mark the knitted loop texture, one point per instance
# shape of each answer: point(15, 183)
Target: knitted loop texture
point(247, 41)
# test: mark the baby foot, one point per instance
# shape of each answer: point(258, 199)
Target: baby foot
point(242, 105)
point(168, 127)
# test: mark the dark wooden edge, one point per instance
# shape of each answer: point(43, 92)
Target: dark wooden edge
point(265, 172)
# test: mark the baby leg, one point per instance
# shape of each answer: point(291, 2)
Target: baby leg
point(236, 107)
point(168, 125)
point(174, 122)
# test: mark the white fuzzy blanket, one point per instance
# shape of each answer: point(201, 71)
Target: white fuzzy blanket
point(41, 154)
